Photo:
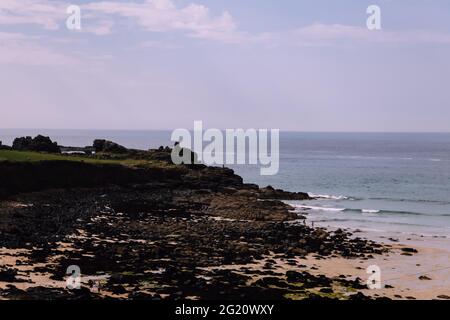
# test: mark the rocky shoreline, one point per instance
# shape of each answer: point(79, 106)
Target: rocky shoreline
point(176, 232)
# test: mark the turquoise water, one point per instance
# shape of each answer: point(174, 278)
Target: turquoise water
point(374, 181)
point(371, 181)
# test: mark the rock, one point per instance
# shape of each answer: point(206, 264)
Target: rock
point(2, 147)
point(326, 290)
point(443, 296)
point(409, 250)
point(39, 143)
point(118, 289)
point(8, 274)
point(424, 278)
point(276, 194)
point(308, 280)
point(320, 234)
point(271, 281)
point(101, 145)
point(359, 297)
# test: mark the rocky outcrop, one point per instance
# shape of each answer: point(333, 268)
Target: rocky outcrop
point(277, 194)
point(4, 147)
point(101, 145)
point(20, 177)
point(39, 143)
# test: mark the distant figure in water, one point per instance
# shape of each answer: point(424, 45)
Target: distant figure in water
point(312, 223)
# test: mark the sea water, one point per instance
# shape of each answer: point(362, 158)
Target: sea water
point(381, 182)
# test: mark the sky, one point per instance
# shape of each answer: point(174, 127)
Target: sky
point(298, 65)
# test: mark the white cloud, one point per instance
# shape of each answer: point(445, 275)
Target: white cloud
point(39, 12)
point(49, 15)
point(163, 16)
point(101, 28)
point(194, 20)
point(337, 34)
point(17, 48)
point(158, 45)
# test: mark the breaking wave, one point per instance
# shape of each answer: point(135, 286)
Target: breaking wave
point(362, 211)
point(326, 196)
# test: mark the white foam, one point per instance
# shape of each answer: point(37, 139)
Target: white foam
point(320, 208)
point(370, 211)
point(326, 196)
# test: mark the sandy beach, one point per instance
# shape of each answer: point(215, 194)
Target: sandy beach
point(424, 274)
point(421, 275)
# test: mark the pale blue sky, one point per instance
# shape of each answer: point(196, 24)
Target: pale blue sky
point(288, 64)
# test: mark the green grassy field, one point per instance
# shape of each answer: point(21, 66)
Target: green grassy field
point(21, 156)
point(11, 155)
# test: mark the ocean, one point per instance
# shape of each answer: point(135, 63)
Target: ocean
point(379, 182)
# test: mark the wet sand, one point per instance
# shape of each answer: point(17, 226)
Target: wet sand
point(421, 275)
point(404, 275)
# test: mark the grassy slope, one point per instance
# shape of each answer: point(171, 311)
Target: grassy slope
point(11, 155)
point(31, 156)
point(23, 156)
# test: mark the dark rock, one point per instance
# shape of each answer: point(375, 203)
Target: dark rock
point(409, 250)
point(3, 147)
point(359, 297)
point(39, 143)
point(276, 194)
point(8, 274)
point(101, 145)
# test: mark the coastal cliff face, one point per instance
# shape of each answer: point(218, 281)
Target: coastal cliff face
point(157, 232)
point(19, 177)
point(219, 188)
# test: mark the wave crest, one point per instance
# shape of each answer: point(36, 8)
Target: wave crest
point(326, 196)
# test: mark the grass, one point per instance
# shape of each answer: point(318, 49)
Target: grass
point(29, 156)
point(18, 156)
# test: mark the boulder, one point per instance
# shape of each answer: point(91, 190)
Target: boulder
point(276, 194)
point(2, 147)
point(101, 145)
point(39, 143)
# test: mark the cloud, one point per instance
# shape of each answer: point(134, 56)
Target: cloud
point(39, 12)
point(49, 15)
point(163, 16)
point(158, 45)
point(99, 17)
point(337, 34)
point(103, 27)
point(18, 48)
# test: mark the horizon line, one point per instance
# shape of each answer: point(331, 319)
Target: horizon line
point(191, 129)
